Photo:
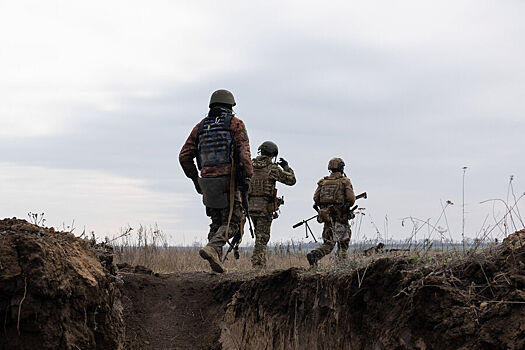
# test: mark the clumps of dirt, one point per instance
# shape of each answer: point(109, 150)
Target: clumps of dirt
point(54, 292)
point(473, 303)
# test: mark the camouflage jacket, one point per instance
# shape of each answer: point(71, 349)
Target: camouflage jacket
point(342, 195)
point(190, 149)
point(274, 174)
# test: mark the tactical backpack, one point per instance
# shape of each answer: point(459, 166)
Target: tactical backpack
point(214, 139)
point(332, 191)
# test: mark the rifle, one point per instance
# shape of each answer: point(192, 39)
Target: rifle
point(240, 179)
point(307, 227)
point(305, 222)
point(236, 240)
point(243, 187)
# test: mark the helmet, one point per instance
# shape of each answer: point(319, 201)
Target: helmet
point(269, 148)
point(336, 164)
point(222, 96)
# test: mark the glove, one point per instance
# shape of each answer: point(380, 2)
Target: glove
point(282, 162)
point(197, 186)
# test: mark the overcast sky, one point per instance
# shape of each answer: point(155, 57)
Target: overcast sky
point(98, 97)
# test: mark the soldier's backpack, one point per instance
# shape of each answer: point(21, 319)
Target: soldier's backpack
point(332, 191)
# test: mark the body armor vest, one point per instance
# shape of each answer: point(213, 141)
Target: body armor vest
point(261, 185)
point(332, 191)
point(214, 140)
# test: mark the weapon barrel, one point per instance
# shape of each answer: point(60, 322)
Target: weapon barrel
point(304, 221)
point(298, 224)
point(361, 195)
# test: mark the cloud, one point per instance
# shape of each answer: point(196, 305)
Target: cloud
point(406, 93)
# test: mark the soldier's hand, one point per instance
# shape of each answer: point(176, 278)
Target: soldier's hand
point(282, 162)
point(197, 186)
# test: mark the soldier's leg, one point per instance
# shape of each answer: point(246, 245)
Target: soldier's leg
point(216, 218)
point(262, 236)
point(328, 242)
point(342, 246)
point(218, 239)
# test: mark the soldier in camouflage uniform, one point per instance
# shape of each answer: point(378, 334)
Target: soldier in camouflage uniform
point(216, 141)
point(333, 198)
point(263, 200)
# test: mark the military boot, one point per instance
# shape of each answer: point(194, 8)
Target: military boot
point(312, 259)
point(210, 254)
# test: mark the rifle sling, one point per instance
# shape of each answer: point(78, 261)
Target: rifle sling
point(232, 199)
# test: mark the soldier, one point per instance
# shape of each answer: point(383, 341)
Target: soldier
point(219, 141)
point(263, 200)
point(333, 198)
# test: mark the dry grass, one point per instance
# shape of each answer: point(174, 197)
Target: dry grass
point(147, 247)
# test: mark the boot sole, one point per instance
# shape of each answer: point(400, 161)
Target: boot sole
point(213, 264)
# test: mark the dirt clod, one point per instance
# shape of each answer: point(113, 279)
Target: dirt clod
point(54, 292)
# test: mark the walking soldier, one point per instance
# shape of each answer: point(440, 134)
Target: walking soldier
point(333, 199)
point(221, 146)
point(263, 201)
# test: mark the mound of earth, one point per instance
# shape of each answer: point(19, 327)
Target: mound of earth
point(475, 303)
point(54, 292)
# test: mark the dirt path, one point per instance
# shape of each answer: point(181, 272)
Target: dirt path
point(177, 311)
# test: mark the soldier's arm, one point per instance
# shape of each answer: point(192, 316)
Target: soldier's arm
point(188, 152)
point(242, 144)
point(349, 192)
point(317, 193)
point(285, 175)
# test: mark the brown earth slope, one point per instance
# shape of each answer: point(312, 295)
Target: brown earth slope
point(476, 303)
point(54, 292)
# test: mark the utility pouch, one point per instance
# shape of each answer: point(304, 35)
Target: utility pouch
point(340, 231)
point(323, 215)
point(215, 191)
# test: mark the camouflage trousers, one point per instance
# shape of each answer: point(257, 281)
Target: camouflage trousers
point(262, 236)
point(219, 221)
point(329, 243)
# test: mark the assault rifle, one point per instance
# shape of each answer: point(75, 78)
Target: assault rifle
point(305, 222)
point(240, 179)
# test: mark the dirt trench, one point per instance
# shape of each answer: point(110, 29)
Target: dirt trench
point(476, 303)
point(61, 292)
point(176, 311)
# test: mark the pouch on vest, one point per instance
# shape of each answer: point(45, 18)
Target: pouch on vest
point(215, 191)
point(340, 231)
point(258, 206)
point(323, 215)
point(331, 192)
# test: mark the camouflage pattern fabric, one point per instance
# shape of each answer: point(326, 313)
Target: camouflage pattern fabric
point(219, 221)
point(190, 149)
point(262, 236)
point(345, 191)
point(264, 185)
point(329, 243)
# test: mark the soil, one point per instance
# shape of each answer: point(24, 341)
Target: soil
point(54, 292)
point(67, 295)
point(177, 311)
point(474, 303)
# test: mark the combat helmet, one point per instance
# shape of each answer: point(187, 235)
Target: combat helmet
point(336, 164)
point(269, 148)
point(222, 96)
